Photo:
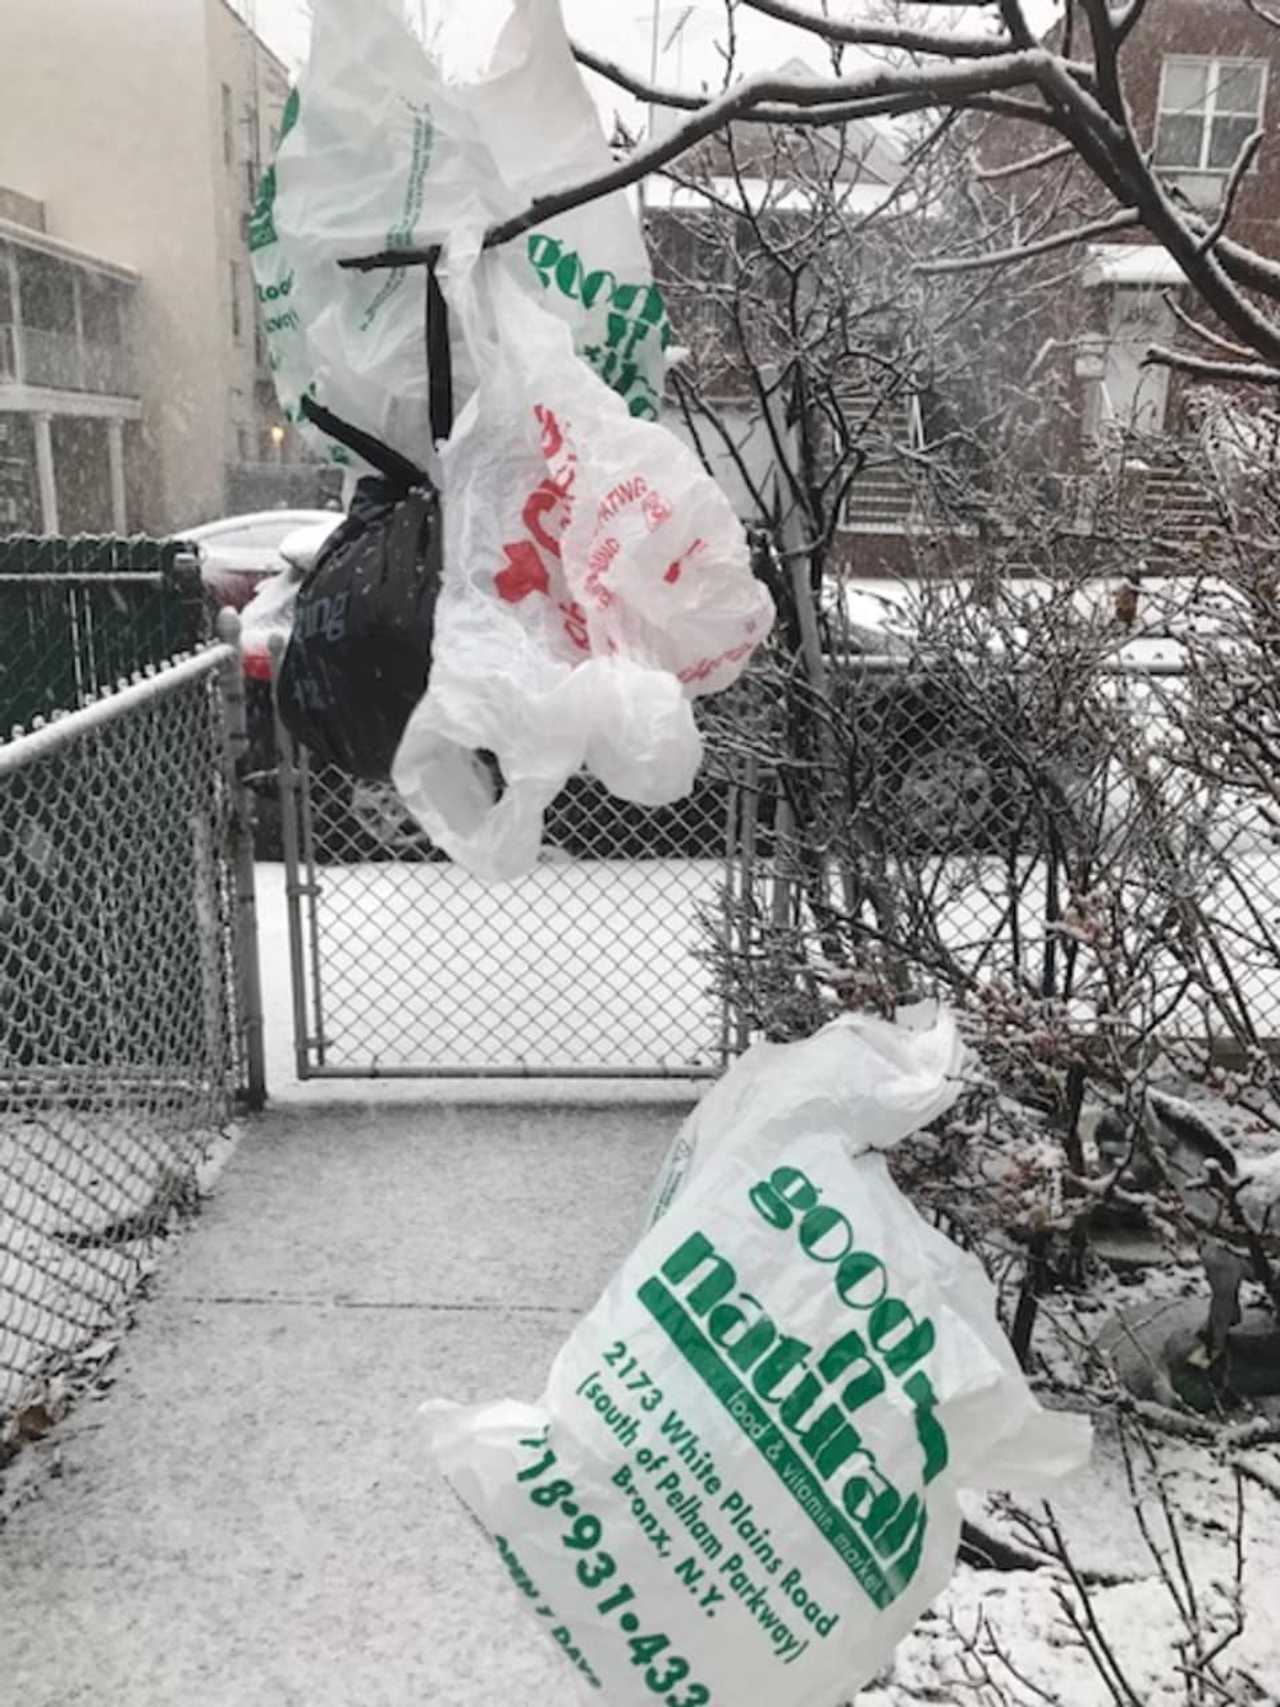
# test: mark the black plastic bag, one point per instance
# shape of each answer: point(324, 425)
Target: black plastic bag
point(360, 651)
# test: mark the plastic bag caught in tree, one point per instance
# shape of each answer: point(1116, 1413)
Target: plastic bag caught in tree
point(382, 149)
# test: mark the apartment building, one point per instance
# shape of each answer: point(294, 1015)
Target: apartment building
point(134, 386)
point(1200, 77)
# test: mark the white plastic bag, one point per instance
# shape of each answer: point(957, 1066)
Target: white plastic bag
point(382, 148)
point(741, 1482)
point(877, 1083)
point(596, 579)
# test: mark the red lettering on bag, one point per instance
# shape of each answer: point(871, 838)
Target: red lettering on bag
point(655, 509)
point(597, 566)
point(542, 501)
point(552, 437)
point(625, 492)
point(575, 625)
point(708, 666)
point(676, 569)
point(524, 573)
point(550, 502)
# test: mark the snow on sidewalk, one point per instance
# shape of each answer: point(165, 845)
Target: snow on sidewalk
point(247, 1519)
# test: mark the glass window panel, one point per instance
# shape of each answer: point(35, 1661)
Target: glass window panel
point(1178, 141)
point(1239, 88)
point(47, 292)
point(1185, 84)
point(1226, 138)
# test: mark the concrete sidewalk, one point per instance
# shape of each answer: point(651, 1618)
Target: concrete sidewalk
point(248, 1519)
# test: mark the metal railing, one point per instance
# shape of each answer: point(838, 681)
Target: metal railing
point(130, 1019)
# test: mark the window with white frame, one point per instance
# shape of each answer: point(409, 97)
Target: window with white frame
point(1209, 108)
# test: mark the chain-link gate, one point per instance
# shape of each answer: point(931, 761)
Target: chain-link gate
point(129, 1013)
point(404, 965)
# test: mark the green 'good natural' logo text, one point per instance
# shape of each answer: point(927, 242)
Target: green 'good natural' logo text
point(635, 320)
point(797, 1407)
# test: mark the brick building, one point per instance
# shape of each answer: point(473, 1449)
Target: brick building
point(718, 238)
point(1200, 77)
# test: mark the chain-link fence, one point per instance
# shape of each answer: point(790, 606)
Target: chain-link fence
point(79, 615)
point(405, 965)
point(126, 997)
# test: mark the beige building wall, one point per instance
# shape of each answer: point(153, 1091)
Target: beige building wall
point(111, 115)
point(246, 95)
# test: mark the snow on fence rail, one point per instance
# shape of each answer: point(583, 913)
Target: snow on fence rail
point(124, 996)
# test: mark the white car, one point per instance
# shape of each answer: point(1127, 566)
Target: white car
point(237, 553)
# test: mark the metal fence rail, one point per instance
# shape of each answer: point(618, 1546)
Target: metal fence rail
point(125, 995)
point(78, 615)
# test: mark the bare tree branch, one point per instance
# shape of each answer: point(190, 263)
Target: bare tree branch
point(870, 91)
point(1123, 221)
point(1237, 373)
point(1101, 138)
point(1267, 17)
point(649, 93)
point(873, 35)
point(1201, 331)
point(1244, 160)
point(1031, 163)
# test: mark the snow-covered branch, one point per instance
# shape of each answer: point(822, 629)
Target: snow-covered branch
point(1030, 163)
point(1236, 373)
point(1244, 160)
point(1123, 221)
point(869, 91)
point(943, 46)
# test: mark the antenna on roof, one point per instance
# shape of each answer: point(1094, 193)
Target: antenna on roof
point(676, 28)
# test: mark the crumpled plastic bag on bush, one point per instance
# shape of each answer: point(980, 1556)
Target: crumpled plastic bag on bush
point(741, 1483)
point(596, 580)
point(382, 147)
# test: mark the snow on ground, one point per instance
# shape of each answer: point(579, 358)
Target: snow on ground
point(582, 964)
point(69, 1178)
point(595, 961)
point(994, 1636)
point(594, 964)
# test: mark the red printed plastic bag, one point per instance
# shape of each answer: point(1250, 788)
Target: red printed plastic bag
point(596, 580)
point(741, 1482)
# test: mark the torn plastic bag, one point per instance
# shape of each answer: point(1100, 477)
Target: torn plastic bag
point(741, 1483)
point(383, 147)
point(596, 581)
